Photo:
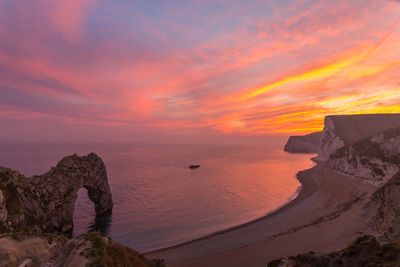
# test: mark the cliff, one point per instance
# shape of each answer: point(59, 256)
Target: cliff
point(366, 147)
point(345, 130)
point(364, 251)
point(46, 203)
point(309, 143)
point(375, 159)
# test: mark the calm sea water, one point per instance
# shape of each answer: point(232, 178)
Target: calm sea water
point(158, 201)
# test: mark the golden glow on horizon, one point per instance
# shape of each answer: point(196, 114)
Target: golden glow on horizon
point(252, 77)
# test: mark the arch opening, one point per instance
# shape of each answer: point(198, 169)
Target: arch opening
point(84, 212)
point(85, 218)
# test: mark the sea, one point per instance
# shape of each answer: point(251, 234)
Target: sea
point(159, 201)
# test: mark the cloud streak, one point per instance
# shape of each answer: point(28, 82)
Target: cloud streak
point(203, 67)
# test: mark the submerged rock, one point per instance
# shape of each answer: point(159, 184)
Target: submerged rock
point(45, 203)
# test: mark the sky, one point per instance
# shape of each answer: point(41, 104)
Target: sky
point(126, 70)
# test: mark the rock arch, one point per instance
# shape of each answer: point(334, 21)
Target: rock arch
point(46, 203)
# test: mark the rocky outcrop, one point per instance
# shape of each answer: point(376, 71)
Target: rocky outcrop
point(374, 159)
point(309, 143)
point(364, 251)
point(46, 203)
point(87, 250)
point(385, 209)
point(345, 130)
point(93, 250)
point(31, 250)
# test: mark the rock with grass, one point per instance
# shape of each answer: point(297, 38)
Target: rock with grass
point(364, 251)
point(93, 250)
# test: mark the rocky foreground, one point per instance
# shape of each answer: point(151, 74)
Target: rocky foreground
point(364, 251)
point(36, 218)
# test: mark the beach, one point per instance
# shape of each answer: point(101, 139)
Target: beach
point(326, 215)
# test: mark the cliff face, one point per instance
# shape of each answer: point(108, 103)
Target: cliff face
point(46, 203)
point(345, 130)
point(375, 159)
point(309, 143)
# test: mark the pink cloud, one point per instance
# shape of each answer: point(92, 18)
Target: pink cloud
point(69, 17)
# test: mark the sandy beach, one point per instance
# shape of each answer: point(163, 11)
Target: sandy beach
point(325, 216)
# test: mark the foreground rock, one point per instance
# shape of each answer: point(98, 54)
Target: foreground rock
point(33, 249)
point(46, 203)
point(385, 209)
point(309, 143)
point(374, 159)
point(365, 251)
point(87, 250)
point(92, 250)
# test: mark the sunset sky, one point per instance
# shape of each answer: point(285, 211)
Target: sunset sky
point(146, 70)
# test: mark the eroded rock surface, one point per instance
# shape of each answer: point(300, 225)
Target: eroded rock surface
point(33, 250)
point(374, 159)
point(343, 130)
point(46, 203)
point(93, 250)
point(385, 209)
point(86, 250)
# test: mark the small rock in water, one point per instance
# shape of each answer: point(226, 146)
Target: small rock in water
point(194, 166)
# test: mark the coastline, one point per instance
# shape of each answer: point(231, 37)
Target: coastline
point(320, 196)
point(304, 190)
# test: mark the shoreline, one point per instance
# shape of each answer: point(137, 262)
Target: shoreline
point(324, 217)
point(304, 190)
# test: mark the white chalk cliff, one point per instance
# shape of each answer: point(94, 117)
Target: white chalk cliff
point(374, 159)
point(343, 130)
point(362, 146)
